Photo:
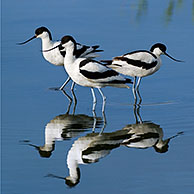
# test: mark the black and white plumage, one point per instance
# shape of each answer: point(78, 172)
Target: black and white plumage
point(140, 63)
point(56, 57)
point(88, 72)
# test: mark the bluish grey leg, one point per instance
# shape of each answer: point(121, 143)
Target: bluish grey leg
point(137, 89)
point(104, 99)
point(94, 99)
point(65, 83)
point(95, 120)
point(134, 90)
point(104, 123)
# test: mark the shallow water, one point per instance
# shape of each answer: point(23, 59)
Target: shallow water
point(30, 110)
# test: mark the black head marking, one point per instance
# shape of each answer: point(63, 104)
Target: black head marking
point(66, 39)
point(161, 46)
point(42, 29)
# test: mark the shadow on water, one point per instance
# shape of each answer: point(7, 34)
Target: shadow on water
point(173, 6)
point(93, 146)
point(142, 9)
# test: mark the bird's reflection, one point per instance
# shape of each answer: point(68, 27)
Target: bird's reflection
point(146, 134)
point(65, 127)
point(90, 149)
point(94, 146)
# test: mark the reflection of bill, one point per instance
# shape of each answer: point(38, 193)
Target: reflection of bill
point(64, 127)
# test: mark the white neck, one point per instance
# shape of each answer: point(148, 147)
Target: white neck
point(46, 43)
point(157, 52)
point(69, 58)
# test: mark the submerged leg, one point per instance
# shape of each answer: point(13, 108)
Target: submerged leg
point(104, 123)
point(134, 90)
point(135, 113)
point(137, 89)
point(95, 120)
point(65, 83)
point(104, 99)
point(94, 99)
point(138, 113)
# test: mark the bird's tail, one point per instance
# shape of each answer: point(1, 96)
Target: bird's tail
point(96, 48)
point(118, 83)
point(93, 52)
point(128, 81)
point(106, 62)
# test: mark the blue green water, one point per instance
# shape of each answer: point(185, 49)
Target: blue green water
point(28, 106)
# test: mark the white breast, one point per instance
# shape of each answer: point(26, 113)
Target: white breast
point(54, 56)
point(135, 68)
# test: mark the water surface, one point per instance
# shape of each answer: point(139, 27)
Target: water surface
point(30, 109)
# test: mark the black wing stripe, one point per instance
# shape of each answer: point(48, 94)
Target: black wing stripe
point(95, 47)
point(79, 52)
point(63, 53)
point(98, 75)
point(84, 62)
point(139, 63)
point(139, 51)
point(119, 81)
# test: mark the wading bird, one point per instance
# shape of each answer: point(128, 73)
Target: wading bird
point(138, 64)
point(56, 57)
point(88, 72)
